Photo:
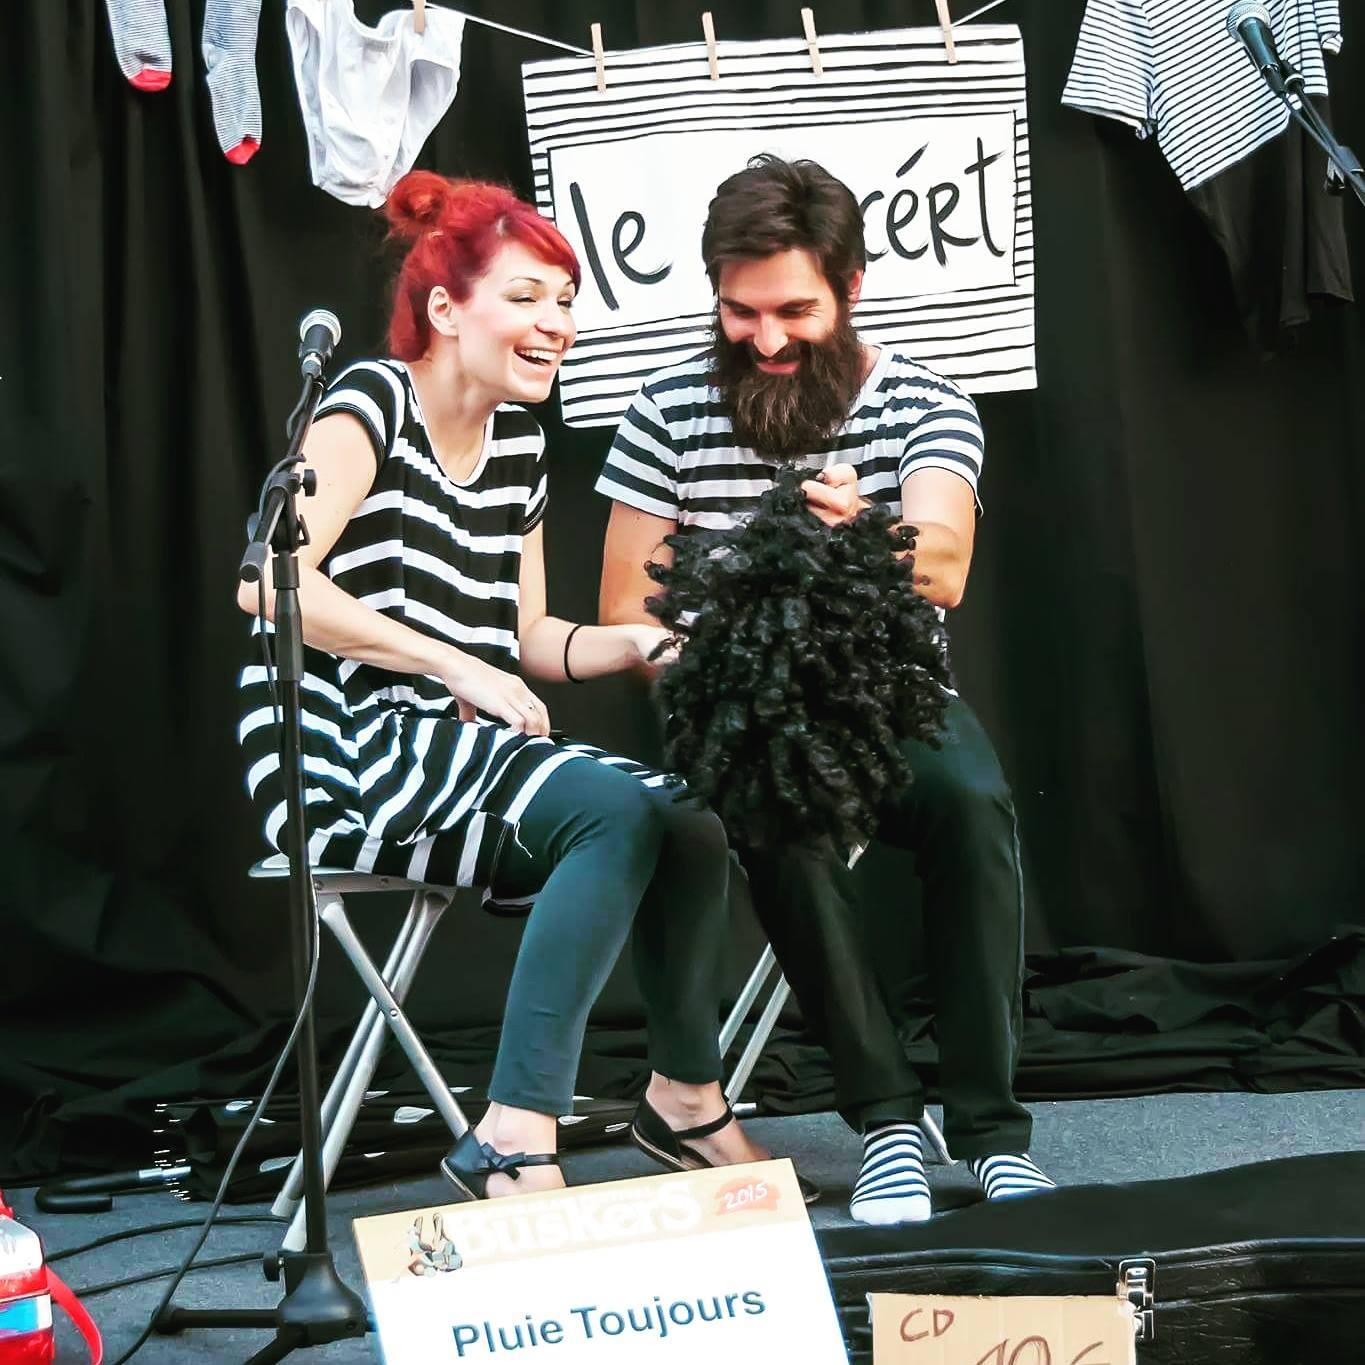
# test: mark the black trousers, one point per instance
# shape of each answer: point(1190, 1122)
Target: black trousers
point(957, 817)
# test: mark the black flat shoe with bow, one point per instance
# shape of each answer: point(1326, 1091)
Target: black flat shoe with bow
point(470, 1162)
point(652, 1135)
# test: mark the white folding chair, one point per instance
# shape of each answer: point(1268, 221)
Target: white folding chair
point(384, 1010)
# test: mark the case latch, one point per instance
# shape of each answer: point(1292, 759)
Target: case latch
point(1137, 1284)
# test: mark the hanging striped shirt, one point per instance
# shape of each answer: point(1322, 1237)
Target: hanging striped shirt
point(1170, 68)
point(675, 453)
point(395, 782)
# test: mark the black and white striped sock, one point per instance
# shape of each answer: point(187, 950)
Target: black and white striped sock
point(891, 1186)
point(1009, 1176)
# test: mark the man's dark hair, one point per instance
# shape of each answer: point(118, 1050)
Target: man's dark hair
point(774, 205)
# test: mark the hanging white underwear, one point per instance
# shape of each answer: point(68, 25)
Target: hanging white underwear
point(370, 96)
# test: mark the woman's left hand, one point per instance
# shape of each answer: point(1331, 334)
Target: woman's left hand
point(647, 639)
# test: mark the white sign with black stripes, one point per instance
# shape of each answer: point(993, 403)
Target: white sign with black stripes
point(937, 154)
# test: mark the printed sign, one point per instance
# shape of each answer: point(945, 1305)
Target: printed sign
point(935, 1329)
point(936, 154)
point(715, 1265)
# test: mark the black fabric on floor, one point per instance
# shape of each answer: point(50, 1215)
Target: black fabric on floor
point(1098, 1023)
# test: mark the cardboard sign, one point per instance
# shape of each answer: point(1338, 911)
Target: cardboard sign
point(717, 1265)
point(936, 154)
point(935, 1329)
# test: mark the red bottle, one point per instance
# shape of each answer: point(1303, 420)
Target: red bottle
point(25, 1303)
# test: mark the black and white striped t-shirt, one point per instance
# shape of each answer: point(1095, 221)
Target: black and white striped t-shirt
point(395, 782)
point(675, 456)
point(1170, 68)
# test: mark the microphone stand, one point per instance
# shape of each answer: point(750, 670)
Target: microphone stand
point(317, 1306)
point(1343, 165)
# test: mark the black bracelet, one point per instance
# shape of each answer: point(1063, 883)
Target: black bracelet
point(568, 639)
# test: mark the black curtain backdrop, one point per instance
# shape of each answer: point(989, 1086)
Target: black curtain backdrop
point(1162, 632)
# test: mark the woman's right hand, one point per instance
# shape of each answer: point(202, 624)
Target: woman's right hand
point(476, 685)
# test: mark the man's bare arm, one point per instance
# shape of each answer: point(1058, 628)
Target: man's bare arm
point(938, 503)
point(633, 538)
point(942, 506)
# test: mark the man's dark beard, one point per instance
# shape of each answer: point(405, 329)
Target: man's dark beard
point(784, 416)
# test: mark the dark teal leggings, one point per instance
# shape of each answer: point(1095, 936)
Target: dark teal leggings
point(607, 853)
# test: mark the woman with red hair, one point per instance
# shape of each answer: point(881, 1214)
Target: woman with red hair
point(423, 598)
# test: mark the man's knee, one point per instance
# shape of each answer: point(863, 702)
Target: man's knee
point(959, 797)
point(687, 825)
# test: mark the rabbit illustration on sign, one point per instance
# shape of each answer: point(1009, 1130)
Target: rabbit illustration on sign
point(436, 1256)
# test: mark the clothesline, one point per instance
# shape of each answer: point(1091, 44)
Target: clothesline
point(977, 13)
point(584, 52)
point(522, 33)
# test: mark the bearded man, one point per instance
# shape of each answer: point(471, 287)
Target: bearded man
point(788, 382)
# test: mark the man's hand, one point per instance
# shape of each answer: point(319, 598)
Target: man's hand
point(833, 495)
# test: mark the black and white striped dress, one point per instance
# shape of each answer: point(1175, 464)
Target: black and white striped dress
point(395, 782)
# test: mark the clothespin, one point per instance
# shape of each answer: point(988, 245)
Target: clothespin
point(945, 22)
point(599, 57)
point(709, 32)
point(812, 42)
point(419, 16)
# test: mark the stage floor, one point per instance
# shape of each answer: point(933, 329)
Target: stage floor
point(1077, 1142)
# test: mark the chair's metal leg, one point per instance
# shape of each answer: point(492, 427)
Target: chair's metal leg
point(398, 954)
point(757, 1040)
point(426, 912)
point(363, 1050)
point(934, 1133)
point(391, 1010)
point(746, 999)
point(428, 909)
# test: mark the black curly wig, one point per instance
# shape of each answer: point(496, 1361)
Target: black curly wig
point(806, 659)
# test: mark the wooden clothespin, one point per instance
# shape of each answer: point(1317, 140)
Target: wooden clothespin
point(599, 57)
point(709, 32)
point(812, 42)
point(419, 16)
point(945, 22)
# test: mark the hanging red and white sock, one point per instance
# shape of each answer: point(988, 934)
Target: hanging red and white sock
point(142, 41)
point(229, 45)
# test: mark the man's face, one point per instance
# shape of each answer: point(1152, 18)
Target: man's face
point(770, 303)
point(787, 361)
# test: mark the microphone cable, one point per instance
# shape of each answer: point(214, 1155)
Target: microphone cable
point(187, 1264)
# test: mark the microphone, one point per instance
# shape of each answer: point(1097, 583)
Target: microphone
point(1249, 24)
point(318, 333)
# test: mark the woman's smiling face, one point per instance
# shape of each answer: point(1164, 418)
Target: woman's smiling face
point(515, 326)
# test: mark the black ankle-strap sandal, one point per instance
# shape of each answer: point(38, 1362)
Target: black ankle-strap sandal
point(470, 1162)
point(651, 1134)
